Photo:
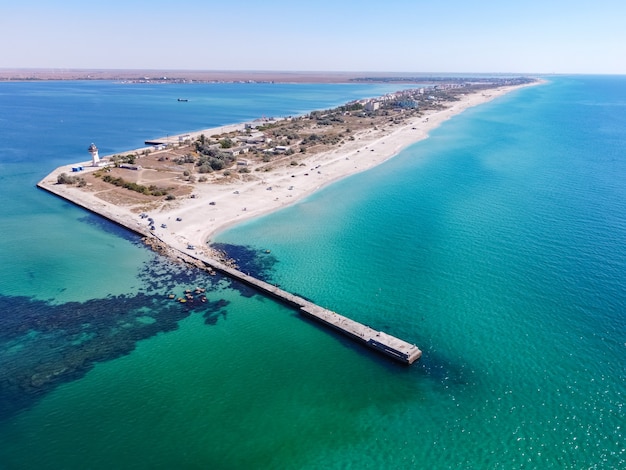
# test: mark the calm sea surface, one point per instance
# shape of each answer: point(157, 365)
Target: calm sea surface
point(498, 246)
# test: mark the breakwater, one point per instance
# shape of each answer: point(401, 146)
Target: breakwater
point(379, 341)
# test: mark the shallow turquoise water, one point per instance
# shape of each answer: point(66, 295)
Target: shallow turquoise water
point(497, 245)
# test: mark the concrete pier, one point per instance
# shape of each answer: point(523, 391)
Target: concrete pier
point(380, 341)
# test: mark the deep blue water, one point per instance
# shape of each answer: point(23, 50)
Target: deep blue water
point(498, 245)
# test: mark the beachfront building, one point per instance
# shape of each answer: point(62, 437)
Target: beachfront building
point(232, 151)
point(255, 138)
point(95, 159)
point(372, 105)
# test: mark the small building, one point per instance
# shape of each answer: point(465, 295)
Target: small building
point(233, 151)
point(372, 106)
point(256, 138)
point(93, 150)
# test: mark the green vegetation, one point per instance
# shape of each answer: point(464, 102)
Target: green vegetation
point(211, 159)
point(267, 126)
point(315, 139)
point(226, 143)
point(188, 158)
point(151, 190)
point(64, 178)
point(351, 107)
point(119, 159)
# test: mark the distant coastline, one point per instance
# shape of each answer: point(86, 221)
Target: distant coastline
point(229, 76)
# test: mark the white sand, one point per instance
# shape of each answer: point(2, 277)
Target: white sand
point(201, 220)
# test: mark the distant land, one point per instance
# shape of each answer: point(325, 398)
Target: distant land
point(183, 76)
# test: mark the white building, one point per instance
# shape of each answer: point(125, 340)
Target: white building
point(372, 106)
point(95, 159)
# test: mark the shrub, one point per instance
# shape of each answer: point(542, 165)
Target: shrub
point(226, 143)
point(64, 178)
point(205, 168)
point(151, 190)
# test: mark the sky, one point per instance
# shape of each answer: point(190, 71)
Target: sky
point(453, 36)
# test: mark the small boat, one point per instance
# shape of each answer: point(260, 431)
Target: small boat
point(183, 100)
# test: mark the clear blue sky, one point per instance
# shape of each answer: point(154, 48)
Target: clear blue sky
point(534, 36)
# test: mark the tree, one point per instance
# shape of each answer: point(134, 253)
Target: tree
point(226, 143)
point(64, 178)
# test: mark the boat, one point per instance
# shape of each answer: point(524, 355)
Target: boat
point(184, 100)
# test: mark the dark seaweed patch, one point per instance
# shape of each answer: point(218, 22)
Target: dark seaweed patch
point(257, 263)
point(107, 226)
point(215, 310)
point(43, 345)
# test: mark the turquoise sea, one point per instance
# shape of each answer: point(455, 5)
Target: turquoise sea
point(498, 246)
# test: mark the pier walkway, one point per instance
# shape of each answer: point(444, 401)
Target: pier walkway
point(389, 345)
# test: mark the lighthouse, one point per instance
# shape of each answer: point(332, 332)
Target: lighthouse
point(95, 159)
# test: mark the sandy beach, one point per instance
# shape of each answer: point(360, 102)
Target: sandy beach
point(193, 221)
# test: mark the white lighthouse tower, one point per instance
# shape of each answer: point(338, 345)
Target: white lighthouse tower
point(95, 159)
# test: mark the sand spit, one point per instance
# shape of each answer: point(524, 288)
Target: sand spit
point(187, 223)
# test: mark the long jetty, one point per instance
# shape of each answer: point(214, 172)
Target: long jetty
point(384, 343)
point(380, 341)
